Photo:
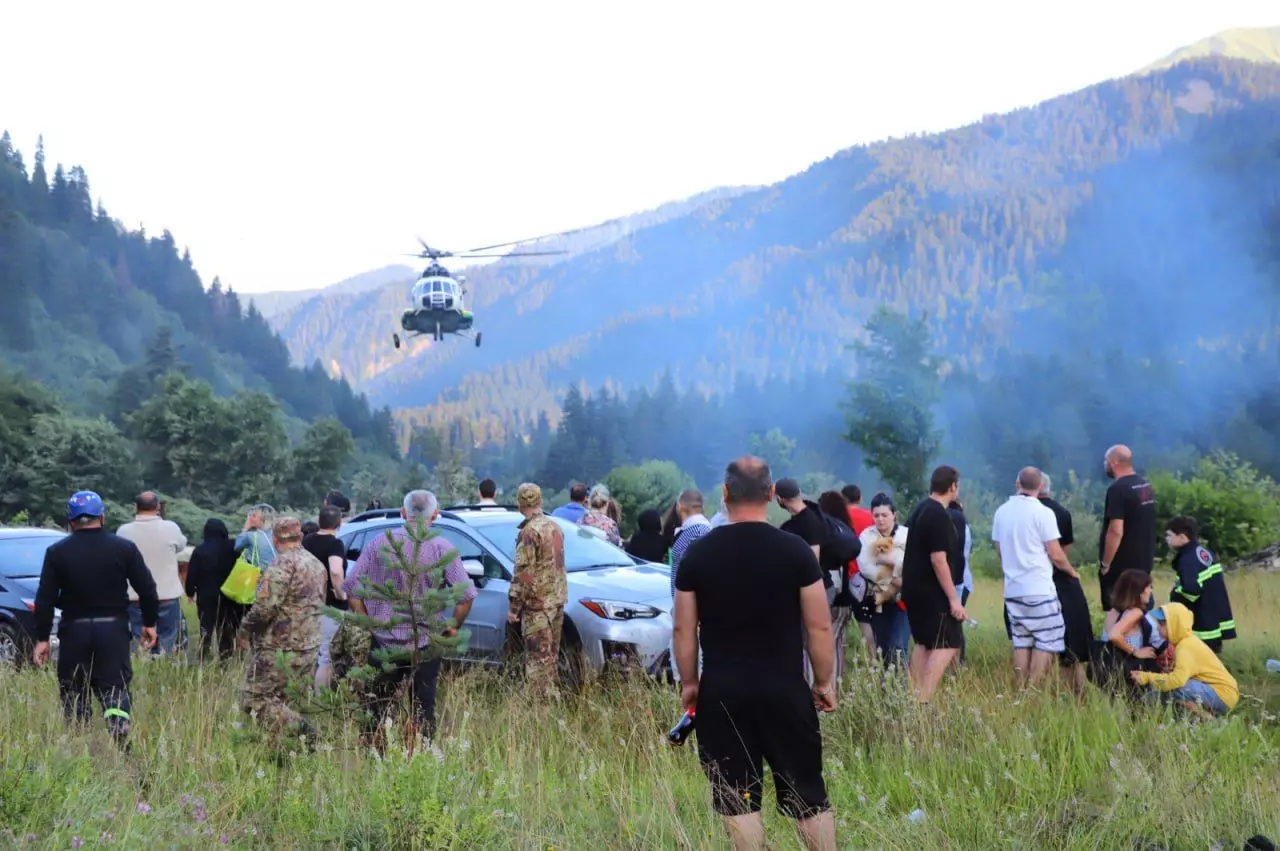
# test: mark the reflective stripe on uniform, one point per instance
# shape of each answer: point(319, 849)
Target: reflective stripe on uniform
point(1207, 634)
point(115, 712)
point(1179, 590)
point(1209, 572)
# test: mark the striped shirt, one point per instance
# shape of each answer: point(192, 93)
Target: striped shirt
point(377, 565)
point(693, 529)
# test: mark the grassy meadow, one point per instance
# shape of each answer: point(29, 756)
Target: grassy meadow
point(990, 769)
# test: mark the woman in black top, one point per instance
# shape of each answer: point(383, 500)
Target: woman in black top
point(210, 565)
point(648, 543)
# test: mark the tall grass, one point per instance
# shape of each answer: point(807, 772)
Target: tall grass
point(990, 768)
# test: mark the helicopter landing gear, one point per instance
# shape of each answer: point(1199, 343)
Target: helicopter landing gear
point(438, 336)
point(478, 335)
point(396, 339)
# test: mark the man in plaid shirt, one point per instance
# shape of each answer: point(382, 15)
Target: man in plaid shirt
point(379, 567)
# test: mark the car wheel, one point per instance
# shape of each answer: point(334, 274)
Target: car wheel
point(571, 661)
point(14, 649)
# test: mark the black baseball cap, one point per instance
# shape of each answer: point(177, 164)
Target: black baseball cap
point(787, 488)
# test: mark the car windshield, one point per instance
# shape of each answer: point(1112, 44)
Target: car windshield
point(582, 549)
point(23, 557)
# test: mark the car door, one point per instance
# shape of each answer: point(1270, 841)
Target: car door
point(487, 620)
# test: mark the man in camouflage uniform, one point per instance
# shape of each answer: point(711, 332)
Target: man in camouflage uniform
point(285, 617)
point(539, 590)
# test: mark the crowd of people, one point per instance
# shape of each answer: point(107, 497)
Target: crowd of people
point(760, 613)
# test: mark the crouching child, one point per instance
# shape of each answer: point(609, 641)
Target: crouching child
point(1198, 681)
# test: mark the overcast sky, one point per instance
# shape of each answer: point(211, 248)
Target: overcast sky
point(290, 146)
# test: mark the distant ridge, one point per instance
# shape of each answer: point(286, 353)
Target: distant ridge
point(1258, 44)
point(273, 303)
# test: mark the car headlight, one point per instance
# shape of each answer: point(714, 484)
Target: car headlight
point(615, 610)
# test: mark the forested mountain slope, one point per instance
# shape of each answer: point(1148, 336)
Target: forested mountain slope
point(1131, 220)
point(84, 300)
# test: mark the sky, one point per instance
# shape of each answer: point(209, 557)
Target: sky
point(290, 145)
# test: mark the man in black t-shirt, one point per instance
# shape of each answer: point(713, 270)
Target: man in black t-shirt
point(933, 604)
point(1128, 536)
point(752, 593)
point(326, 547)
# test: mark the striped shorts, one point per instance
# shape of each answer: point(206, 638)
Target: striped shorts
point(1036, 623)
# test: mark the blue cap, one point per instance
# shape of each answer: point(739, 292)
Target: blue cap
point(84, 504)
point(1158, 614)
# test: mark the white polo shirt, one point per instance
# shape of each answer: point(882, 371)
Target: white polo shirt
point(1022, 527)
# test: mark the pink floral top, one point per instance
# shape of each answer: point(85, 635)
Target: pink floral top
point(603, 522)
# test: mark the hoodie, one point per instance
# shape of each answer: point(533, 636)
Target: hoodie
point(1192, 658)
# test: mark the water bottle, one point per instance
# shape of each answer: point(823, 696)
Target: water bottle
point(681, 731)
point(1273, 665)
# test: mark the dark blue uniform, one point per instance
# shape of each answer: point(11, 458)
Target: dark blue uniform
point(87, 575)
point(1202, 588)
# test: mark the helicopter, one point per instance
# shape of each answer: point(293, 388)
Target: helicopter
point(436, 302)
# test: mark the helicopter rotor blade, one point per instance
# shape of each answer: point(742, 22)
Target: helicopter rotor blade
point(470, 256)
point(533, 239)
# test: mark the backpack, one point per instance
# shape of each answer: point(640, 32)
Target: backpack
point(842, 545)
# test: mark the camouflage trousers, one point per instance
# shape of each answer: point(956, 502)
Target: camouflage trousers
point(264, 695)
point(539, 639)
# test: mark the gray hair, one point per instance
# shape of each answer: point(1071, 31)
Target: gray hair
point(1046, 485)
point(420, 503)
point(599, 497)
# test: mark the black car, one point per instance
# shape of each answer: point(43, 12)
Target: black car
point(21, 557)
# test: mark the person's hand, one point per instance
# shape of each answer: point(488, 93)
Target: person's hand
point(41, 653)
point(1135, 675)
point(824, 697)
point(148, 637)
point(449, 632)
point(689, 696)
point(1103, 568)
point(1145, 653)
point(1073, 573)
point(957, 610)
point(513, 616)
point(243, 644)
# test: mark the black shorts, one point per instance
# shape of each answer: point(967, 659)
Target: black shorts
point(739, 730)
point(932, 626)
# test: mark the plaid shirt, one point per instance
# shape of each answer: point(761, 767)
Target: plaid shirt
point(371, 564)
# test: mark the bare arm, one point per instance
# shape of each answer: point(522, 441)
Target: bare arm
point(822, 644)
point(1115, 533)
point(337, 567)
point(942, 571)
point(685, 634)
point(1060, 560)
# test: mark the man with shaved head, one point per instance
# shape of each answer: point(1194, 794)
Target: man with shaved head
point(160, 541)
point(1026, 536)
point(755, 597)
point(1128, 537)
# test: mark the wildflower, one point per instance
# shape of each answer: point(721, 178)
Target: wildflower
point(198, 811)
point(186, 799)
point(224, 840)
point(105, 837)
point(76, 842)
point(143, 807)
point(466, 745)
point(261, 773)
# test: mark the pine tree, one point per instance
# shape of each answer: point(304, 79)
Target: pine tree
point(418, 597)
point(39, 185)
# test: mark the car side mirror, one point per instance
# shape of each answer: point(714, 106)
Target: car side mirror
point(475, 569)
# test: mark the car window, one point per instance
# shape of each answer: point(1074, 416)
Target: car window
point(354, 544)
point(467, 548)
point(582, 549)
point(24, 557)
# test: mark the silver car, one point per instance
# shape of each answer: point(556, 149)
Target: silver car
point(618, 605)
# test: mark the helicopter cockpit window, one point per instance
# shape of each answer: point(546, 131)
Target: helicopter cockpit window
point(435, 286)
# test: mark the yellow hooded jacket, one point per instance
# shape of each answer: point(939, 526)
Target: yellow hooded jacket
point(1193, 660)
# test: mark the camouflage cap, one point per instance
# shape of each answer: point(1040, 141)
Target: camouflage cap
point(528, 495)
point(287, 529)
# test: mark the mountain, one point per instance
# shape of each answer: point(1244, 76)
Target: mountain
point(1260, 44)
point(272, 304)
point(338, 327)
point(1132, 219)
point(98, 313)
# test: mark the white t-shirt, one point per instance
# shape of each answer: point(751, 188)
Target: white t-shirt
point(1022, 527)
point(160, 542)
